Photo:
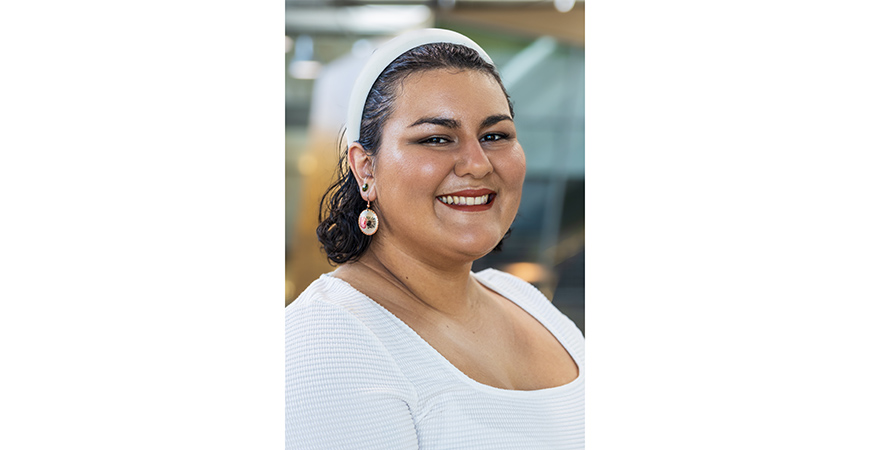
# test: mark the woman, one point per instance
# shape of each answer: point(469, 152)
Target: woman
point(402, 346)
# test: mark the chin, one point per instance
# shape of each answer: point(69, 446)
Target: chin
point(476, 249)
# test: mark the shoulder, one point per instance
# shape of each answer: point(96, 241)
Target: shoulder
point(515, 287)
point(327, 306)
point(339, 377)
point(532, 300)
point(517, 290)
point(330, 326)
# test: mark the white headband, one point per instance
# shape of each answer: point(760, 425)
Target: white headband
point(383, 56)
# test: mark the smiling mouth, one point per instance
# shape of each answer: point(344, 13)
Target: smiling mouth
point(455, 200)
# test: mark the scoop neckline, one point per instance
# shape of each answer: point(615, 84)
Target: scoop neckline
point(455, 370)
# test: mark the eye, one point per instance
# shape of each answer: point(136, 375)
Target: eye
point(434, 140)
point(493, 137)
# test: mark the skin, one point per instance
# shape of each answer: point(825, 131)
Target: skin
point(451, 130)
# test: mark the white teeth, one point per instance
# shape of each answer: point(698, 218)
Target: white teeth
point(470, 201)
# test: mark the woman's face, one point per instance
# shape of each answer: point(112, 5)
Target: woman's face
point(449, 173)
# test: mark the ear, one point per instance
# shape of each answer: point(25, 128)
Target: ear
point(361, 164)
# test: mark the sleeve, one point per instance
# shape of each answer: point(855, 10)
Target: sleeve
point(343, 390)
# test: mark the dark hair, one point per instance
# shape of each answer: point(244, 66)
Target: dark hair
point(338, 232)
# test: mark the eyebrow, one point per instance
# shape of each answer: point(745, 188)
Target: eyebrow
point(453, 123)
point(442, 121)
point(492, 120)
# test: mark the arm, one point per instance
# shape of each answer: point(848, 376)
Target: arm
point(343, 390)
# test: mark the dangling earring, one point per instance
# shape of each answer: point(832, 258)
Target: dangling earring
point(368, 220)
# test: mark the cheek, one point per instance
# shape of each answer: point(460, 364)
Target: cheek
point(513, 167)
point(405, 177)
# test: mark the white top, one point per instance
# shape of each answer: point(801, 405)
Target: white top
point(357, 378)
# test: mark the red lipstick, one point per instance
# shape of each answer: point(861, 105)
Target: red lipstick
point(469, 200)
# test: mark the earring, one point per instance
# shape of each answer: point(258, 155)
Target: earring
point(368, 220)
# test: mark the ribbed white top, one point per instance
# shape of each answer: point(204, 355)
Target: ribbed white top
point(358, 378)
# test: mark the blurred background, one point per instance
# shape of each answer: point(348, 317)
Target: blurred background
point(538, 47)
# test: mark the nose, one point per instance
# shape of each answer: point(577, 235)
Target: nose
point(473, 160)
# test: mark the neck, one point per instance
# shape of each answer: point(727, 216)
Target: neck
point(446, 288)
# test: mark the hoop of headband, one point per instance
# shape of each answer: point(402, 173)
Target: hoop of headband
point(386, 54)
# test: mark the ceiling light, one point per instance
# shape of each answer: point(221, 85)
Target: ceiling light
point(564, 5)
point(304, 70)
point(303, 65)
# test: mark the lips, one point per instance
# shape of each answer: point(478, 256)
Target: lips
point(469, 199)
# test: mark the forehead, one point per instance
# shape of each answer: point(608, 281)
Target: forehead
point(449, 92)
